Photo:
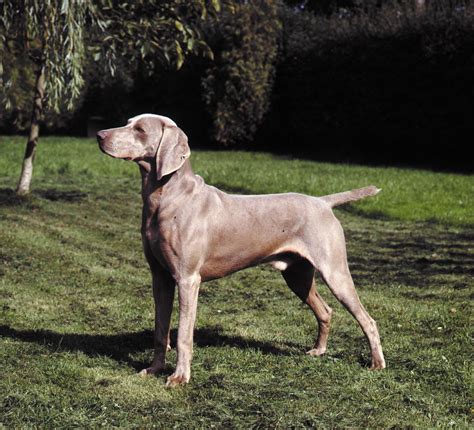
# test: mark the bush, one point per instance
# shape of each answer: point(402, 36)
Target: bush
point(238, 84)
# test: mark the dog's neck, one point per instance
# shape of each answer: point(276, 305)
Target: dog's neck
point(156, 192)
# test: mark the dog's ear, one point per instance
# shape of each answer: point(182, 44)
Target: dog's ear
point(172, 151)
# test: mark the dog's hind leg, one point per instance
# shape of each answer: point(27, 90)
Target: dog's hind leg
point(342, 286)
point(335, 272)
point(299, 276)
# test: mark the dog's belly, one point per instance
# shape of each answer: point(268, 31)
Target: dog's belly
point(219, 267)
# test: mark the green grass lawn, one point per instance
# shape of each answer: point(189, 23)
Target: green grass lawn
point(76, 310)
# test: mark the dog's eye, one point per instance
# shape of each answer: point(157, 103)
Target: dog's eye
point(139, 129)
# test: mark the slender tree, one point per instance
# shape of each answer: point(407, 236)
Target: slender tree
point(55, 34)
point(50, 34)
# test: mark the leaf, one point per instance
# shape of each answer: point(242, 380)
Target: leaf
point(64, 7)
point(179, 53)
point(190, 44)
point(179, 26)
point(216, 4)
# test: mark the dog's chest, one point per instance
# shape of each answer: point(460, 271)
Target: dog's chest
point(161, 237)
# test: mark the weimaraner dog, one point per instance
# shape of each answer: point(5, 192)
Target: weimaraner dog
point(193, 232)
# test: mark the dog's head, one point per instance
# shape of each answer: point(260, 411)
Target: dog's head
point(150, 138)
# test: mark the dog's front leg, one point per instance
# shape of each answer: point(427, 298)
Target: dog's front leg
point(188, 289)
point(163, 294)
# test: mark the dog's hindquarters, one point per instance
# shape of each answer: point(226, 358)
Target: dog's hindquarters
point(327, 252)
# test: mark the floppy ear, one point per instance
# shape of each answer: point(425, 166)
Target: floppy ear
point(172, 152)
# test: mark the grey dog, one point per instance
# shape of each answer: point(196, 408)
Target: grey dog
point(193, 232)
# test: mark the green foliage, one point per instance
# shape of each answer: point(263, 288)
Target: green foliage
point(76, 307)
point(237, 86)
point(66, 37)
point(152, 33)
point(50, 33)
point(19, 71)
point(18, 100)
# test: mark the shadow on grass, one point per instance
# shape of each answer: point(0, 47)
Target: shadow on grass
point(120, 346)
point(8, 197)
point(64, 196)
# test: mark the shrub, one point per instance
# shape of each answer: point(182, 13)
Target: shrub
point(238, 84)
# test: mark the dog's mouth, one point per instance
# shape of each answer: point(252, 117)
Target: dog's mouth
point(106, 149)
point(102, 149)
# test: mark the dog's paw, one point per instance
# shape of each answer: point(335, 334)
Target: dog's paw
point(377, 365)
point(316, 352)
point(150, 371)
point(177, 379)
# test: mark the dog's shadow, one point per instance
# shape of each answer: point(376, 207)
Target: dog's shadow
point(121, 347)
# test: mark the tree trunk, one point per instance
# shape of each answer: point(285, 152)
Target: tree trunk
point(23, 186)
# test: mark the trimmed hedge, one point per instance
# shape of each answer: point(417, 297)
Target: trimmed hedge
point(391, 87)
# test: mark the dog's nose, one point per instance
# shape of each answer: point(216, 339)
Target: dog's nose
point(101, 135)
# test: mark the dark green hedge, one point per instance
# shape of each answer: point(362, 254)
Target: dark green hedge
point(393, 88)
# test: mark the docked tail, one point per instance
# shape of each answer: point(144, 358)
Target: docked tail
point(350, 196)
